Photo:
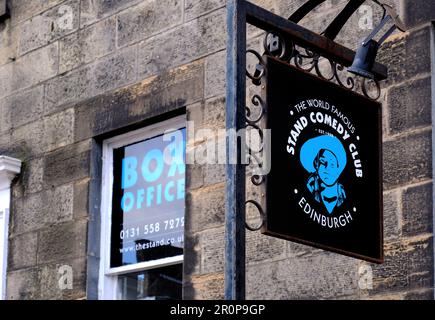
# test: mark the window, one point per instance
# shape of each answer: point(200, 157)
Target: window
point(9, 168)
point(142, 213)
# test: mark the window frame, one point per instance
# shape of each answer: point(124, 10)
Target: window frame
point(9, 168)
point(107, 282)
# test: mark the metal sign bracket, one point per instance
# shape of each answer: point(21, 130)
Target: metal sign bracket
point(290, 42)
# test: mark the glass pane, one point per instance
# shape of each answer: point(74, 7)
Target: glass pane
point(148, 200)
point(155, 284)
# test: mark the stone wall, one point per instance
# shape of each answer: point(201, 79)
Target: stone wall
point(278, 269)
point(75, 72)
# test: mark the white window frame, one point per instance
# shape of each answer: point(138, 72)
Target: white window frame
point(107, 282)
point(9, 168)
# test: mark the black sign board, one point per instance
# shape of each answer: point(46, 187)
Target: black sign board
point(324, 188)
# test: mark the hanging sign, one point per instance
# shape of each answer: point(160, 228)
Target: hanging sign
point(325, 184)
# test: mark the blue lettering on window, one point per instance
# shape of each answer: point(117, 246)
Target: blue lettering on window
point(149, 174)
point(169, 197)
point(127, 202)
point(129, 174)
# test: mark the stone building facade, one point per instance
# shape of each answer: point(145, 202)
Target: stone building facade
point(74, 73)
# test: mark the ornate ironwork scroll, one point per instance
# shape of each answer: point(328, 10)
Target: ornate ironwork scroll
point(283, 40)
point(254, 115)
point(305, 59)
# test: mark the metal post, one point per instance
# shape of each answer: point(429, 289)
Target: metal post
point(235, 171)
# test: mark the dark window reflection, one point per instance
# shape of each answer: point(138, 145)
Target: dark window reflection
point(156, 284)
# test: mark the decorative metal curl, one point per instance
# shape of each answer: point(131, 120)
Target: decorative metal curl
point(299, 59)
point(319, 72)
point(279, 43)
point(260, 133)
point(256, 101)
point(259, 69)
point(262, 216)
point(350, 82)
point(307, 60)
point(366, 92)
point(257, 179)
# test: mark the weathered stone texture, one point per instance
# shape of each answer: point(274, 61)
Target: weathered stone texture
point(50, 278)
point(81, 199)
point(59, 130)
point(22, 108)
point(212, 251)
point(42, 282)
point(49, 26)
point(67, 82)
point(111, 72)
point(214, 113)
point(195, 171)
point(28, 140)
point(215, 73)
point(42, 209)
point(427, 294)
point(24, 9)
point(23, 284)
point(192, 252)
point(67, 164)
point(62, 241)
point(417, 12)
point(406, 55)
point(191, 41)
point(392, 215)
point(193, 8)
point(92, 10)
point(33, 175)
point(408, 159)
point(147, 19)
point(263, 248)
point(408, 265)
point(29, 70)
point(87, 44)
point(152, 97)
point(207, 207)
point(8, 43)
point(205, 287)
point(417, 210)
point(410, 105)
point(334, 276)
point(23, 251)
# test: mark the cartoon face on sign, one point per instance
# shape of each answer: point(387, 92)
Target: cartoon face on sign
point(325, 186)
point(324, 158)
